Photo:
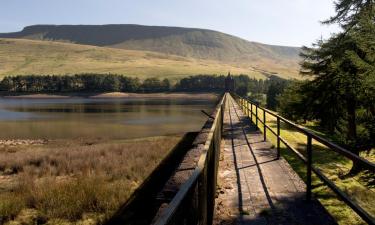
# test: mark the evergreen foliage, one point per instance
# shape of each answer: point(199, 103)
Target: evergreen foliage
point(275, 88)
point(113, 83)
point(341, 94)
point(74, 83)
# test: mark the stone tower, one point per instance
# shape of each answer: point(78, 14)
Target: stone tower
point(229, 83)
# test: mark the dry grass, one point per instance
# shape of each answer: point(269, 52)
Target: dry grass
point(73, 181)
point(20, 57)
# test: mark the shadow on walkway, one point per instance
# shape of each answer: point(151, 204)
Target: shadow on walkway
point(255, 187)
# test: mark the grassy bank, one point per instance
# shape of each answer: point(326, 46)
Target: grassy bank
point(336, 167)
point(74, 181)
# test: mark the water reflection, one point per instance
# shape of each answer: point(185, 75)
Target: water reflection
point(99, 118)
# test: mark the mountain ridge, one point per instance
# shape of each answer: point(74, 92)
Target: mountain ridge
point(187, 42)
point(45, 27)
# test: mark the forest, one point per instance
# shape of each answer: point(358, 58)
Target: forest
point(113, 83)
point(340, 91)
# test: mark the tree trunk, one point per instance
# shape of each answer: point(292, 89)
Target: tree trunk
point(352, 134)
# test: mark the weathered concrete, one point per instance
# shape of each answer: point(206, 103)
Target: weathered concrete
point(184, 169)
point(254, 187)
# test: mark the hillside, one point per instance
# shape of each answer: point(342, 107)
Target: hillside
point(20, 56)
point(186, 42)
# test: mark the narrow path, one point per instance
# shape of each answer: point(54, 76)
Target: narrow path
point(254, 187)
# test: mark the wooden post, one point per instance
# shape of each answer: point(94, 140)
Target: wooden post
point(256, 115)
point(251, 112)
point(309, 162)
point(264, 126)
point(278, 138)
point(202, 196)
point(222, 116)
point(248, 110)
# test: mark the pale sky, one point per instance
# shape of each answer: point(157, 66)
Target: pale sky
point(280, 22)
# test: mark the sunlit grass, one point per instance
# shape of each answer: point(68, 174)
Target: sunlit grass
point(25, 57)
point(68, 181)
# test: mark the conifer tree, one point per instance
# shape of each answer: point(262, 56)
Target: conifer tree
point(343, 68)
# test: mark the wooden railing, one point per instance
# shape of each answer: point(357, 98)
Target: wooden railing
point(261, 123)
point(194, 202)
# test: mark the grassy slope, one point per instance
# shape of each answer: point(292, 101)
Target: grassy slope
point(334, 166)
point(19, 57)
point(223, 47)
point(200, 44)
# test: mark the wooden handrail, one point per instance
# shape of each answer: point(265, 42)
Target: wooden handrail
point(308, 160)
point(198, 175)
point(364, 162)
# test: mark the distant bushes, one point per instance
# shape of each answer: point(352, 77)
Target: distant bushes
point(112, 83)
point(82, 83)
point(107, 83)
point(202, 83)
point(75, 83)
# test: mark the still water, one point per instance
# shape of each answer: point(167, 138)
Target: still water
point(100, 118)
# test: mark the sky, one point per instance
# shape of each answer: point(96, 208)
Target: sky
point(279, 22)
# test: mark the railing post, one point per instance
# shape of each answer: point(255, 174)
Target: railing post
point(309, 162)
point(251, 112)
point(247, 109)
point(222, 116)
point(256, 115)
point(278, 138)
point(202, 196)
point(264, 126)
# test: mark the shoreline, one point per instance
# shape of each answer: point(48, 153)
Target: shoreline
point(117, 95)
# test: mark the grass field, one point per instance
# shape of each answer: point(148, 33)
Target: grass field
point(74, 181)
point(20, 57)
point(213, 52)
point(334, 166)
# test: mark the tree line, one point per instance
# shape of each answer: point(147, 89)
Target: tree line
point(114, 83)
point(80, 83)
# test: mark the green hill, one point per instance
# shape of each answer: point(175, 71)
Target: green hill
point(194, 43)
point(20, 57)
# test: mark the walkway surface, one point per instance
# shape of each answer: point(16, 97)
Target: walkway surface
point(254, 187)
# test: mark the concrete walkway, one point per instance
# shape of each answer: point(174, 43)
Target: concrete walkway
point(254, 187)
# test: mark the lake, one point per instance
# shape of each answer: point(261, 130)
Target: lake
point(100, 118)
